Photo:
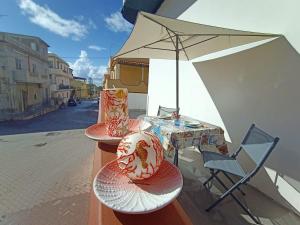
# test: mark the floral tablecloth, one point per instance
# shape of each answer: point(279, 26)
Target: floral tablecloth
point(180, 136)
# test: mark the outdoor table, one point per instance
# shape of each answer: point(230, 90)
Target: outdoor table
point(179, 136)
point(99, 214)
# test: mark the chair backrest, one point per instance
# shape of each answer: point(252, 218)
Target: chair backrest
point(258, 145)
point(164, 111)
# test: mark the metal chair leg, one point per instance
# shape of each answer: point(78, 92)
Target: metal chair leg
point(223, 196)
point(213, 174)
point(229, 192)
point(229, 178)
point(176, 157)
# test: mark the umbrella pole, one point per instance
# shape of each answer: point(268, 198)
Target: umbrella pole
point(177, 75)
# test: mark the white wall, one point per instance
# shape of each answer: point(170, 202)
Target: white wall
point(137, 101)
point(261, 85)
point(258, 85)
point(162, 91)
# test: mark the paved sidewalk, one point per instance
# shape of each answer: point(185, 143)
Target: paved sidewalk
point(45, 177)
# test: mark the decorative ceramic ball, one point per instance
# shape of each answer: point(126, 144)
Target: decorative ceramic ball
point(139, 155)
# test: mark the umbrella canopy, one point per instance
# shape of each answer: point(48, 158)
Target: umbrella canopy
point(165, 38)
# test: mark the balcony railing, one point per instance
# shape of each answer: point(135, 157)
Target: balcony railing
point(60, 72)
point(62, 86)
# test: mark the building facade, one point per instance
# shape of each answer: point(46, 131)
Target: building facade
point(60, 75)
point(132, 74)
point(128, 73)
point(24, 80)
point(81, 87)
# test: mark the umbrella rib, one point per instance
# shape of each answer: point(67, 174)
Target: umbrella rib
point(183, 48)
point(237, 35)
point(180, 43)
point(158, 23)
point(201, 42)
point(178, 33)
point(166, 49)
point(171, 37)
point(142, 47)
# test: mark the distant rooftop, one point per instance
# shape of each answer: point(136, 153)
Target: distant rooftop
point(130, 61)
point(51, 54)
point(26, 36)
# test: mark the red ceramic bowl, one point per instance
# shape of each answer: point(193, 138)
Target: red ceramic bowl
point(97, 131)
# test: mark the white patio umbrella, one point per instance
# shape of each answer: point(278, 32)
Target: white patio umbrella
point(165, 38)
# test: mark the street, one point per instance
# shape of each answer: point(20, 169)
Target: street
point(45, 168)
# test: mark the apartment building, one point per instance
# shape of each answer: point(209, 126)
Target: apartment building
point(132, 74)
point(81, 87)
point(24, 80)
point(60, 75)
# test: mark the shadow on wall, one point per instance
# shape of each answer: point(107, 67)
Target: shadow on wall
point(261, 85)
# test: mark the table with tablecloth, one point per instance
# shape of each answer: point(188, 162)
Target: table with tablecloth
point(174, 137)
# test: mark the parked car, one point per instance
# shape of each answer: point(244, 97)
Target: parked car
point(72, 102)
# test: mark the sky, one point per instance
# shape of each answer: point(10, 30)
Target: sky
point(85, 33)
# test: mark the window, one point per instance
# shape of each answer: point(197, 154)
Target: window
point(34, 68)
point(57, 65)
point(50, 63)
point(67, 94)
point(18, 64)
point(33, 46)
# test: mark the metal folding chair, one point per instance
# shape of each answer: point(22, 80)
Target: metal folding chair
point(164, 111)
point(258, 145)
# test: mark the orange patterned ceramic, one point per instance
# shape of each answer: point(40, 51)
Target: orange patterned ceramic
point(116, 111)
point(140, 155)
point(97, 131)
point(119, 192)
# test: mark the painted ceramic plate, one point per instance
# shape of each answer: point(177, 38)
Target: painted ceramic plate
point(165, 117)
point(97, 131)
point(118, 192)
point(192, 124)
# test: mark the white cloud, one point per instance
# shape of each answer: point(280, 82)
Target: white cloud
point(96, 48)
point(48, 19)
point(92, 24)
point(117, 23)
point(83, 67)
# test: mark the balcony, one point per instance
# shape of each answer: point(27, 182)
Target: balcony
point(28, 77)
point(60, 72)
point(64, 87)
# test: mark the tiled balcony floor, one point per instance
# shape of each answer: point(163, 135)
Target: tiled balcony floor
point(195, 198)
